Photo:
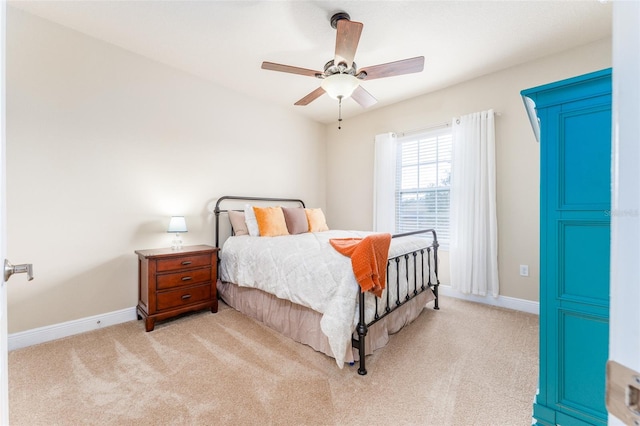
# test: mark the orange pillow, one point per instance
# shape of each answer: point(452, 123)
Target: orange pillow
point(316, 219)
point(271, 221)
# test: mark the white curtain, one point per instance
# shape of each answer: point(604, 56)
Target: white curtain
point(384, 183)
point(474, 234)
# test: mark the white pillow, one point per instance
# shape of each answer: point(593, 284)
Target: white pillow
point(252, 222)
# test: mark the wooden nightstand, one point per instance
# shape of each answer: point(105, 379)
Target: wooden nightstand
point(171, 282)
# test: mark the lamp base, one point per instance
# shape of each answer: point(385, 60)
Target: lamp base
point(176, 244)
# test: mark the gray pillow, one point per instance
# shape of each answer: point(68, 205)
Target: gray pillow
point(296, 220)
point(238, 223)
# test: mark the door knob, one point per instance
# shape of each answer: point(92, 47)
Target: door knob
point(10, 269)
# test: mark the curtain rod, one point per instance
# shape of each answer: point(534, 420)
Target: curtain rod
point(434, 126)
point(422, 129)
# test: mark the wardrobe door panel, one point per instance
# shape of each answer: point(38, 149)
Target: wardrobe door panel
point(583, 274)
point(585, 168)
point(582, 344)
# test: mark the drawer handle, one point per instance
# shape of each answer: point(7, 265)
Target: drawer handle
point(186, 278)
point(186, 296)
point(186, 262)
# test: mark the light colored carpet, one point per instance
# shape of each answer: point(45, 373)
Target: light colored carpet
point(466, 364)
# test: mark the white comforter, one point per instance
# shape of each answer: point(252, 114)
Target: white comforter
point(306, 270)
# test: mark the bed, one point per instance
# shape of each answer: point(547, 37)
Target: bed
point(298, 284)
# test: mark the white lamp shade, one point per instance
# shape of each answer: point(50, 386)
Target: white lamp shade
point(177, 224)
point(340, 85)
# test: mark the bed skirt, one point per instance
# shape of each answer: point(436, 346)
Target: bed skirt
point(303, 324)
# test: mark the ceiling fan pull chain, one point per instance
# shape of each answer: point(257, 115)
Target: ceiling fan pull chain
point(339, 112)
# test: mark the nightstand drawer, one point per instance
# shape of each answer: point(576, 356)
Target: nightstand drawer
point(181, 297)
point(184, 262)
point(183, 278)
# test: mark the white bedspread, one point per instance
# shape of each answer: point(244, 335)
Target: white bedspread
point(306, 270)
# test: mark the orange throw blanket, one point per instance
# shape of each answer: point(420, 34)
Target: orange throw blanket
point(368, 259)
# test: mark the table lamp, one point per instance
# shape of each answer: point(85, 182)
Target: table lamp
point(177, 224)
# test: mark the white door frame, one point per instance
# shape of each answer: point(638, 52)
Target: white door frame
point(4, 371)
point(624, 326)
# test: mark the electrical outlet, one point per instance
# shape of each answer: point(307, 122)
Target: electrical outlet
point(524, 270)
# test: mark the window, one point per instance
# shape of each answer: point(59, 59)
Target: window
point(423, 178)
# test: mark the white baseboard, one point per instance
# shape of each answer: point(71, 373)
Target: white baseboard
point(500, 301)
point(57, 331)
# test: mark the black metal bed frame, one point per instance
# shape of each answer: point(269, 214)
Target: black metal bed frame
point(390, 306)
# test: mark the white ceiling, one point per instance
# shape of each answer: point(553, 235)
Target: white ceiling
point(226, 41)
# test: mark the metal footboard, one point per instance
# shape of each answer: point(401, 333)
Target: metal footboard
point(414, 264)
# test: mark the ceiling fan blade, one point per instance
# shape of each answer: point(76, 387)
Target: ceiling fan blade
point(288, 68)
point(362, 97)
point(311, 97)
point(347, 38)
point(405, 66)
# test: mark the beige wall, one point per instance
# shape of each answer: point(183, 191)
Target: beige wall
point(104, 145)
point(350, 155)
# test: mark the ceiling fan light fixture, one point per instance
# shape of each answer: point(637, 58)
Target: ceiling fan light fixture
point(340, 86)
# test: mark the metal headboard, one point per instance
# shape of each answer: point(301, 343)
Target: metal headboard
point(217, 210)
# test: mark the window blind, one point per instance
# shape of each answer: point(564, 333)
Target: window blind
point(423, 178)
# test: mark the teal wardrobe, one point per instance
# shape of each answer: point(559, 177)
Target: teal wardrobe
point(572, 120)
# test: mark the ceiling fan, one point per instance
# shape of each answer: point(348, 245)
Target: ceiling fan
point(341, 78)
